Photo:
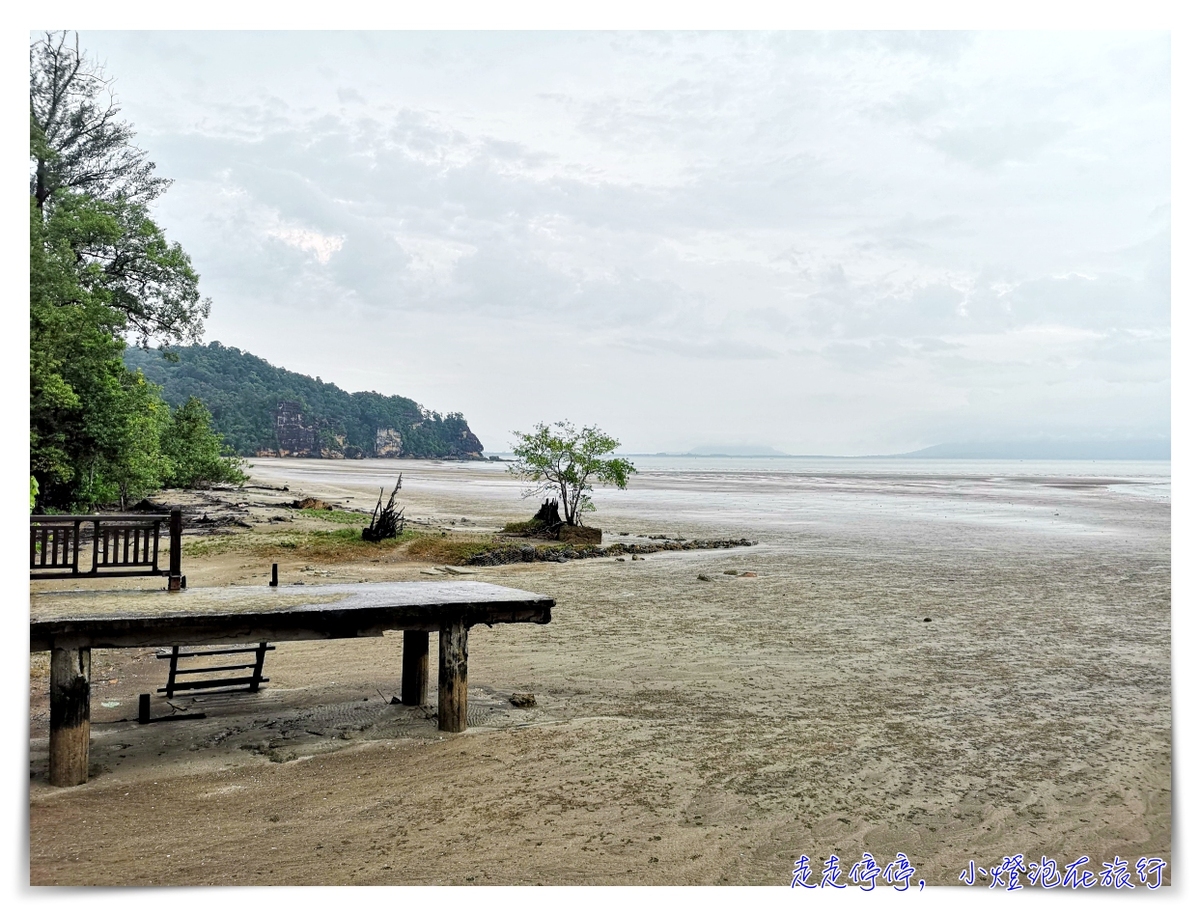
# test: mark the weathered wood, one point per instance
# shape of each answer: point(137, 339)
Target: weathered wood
point(175, 570)
point(121, 545)
point(175, 672)
point(260, 655)
point(70, 715)
point(215, 616)
point(169, 689)
point(452, 676)
point(386, 522)
point(414, 672)
point(71, 623)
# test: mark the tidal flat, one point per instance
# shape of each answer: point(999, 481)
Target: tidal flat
point(955, 660)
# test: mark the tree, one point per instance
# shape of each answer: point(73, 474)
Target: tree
point(129, 462)
point(565, 462)
point(85, 406)
point(82, 159)
point(100, 270)
point(78, 143)
point(193, 450)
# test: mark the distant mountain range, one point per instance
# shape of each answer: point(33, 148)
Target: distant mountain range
point(262, 410)
point(1029, 450)
point(736, 451)
point(1050, 450)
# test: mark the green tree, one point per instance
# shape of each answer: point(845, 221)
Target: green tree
point(126, 424)
point(78, 382)
point(560, 460)
point(80, 144)
point(100, 271)
point(82, 158)
point(194, 450)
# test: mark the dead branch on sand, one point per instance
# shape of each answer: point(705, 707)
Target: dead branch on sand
point(386, 521)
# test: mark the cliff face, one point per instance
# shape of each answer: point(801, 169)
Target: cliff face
point(388, 443)
point(265, 410)
point(294, 437)
point(469, 444)
point(299, 435)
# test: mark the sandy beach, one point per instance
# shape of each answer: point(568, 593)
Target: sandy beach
point(959, 662)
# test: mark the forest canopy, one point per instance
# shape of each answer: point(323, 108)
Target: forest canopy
point(244, 393)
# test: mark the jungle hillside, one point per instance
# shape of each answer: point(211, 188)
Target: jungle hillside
point(261, 409)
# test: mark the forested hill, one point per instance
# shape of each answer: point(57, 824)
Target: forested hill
point(261, 409)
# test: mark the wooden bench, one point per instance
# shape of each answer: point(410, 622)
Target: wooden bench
point(178, 678)
point(69, 624)
point(121, 545)
point(114, 546)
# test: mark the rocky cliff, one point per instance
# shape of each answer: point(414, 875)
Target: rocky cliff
point(265, 410)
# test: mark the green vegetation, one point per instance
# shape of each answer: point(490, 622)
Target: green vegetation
point(336, 516)
point(445, 549)
point(564, 462)
point(101, 270)
point(523, 528)
point(244, 392)
point(194, 452)
point(340, 545)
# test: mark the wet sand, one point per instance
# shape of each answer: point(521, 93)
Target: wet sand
point(685, 731)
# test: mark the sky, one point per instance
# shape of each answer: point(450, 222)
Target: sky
point(820, 243)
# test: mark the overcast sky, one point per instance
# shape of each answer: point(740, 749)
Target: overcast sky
point(822, 243)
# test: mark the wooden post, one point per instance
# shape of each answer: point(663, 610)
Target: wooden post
point(175, 570)
point(70, 715)
point(260, 655)
point(452, 676)
point(414, 674)
point(170, 690)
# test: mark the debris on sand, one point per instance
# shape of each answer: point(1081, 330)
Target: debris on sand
point(523, 700)
point(386, 522)
point(528, 553)
point(319, 504)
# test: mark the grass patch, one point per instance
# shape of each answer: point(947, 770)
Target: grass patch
point(450, 550)
point(532, 526)
point(336, 516)
point(343, 544)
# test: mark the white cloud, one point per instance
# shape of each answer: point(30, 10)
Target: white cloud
point(926, 211)
point(322, 247)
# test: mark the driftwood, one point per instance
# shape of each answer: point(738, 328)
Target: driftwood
point(548, 517)
point(386, 521)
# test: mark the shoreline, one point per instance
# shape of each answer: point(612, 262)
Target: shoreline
point(683, 732)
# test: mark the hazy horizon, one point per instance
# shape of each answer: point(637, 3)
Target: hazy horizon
point(817, 243)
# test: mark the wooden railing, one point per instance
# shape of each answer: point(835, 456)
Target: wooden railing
point(103, 546)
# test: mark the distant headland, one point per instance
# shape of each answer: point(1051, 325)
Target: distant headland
point(263, 410)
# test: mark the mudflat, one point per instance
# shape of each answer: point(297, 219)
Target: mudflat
point(958, 665)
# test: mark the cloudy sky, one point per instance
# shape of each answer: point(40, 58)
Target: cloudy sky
point(818, 242)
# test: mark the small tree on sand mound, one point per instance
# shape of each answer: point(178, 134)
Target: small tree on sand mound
point(560, 460)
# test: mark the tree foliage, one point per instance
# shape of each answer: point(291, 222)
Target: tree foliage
point(99, 270)
point(560, 460)
point(194, 451)
point(82, 159)
point(243, 392)
point(79, 143)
